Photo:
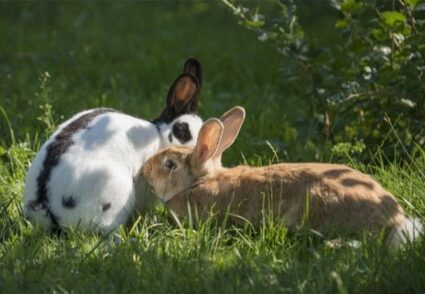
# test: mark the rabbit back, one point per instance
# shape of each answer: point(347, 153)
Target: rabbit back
point(87, 180)
point(339, 198)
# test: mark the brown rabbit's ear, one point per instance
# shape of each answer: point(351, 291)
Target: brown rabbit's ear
point(232, 121)
point(208, 140)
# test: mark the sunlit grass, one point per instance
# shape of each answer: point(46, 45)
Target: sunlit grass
point(95, 59)
point(154, 254)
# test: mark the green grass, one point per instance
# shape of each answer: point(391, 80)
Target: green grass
point(125, 55)
point(157, 256)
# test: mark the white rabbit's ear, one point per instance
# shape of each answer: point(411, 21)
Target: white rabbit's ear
point(181, 99)
point(232, 121)
point(194, 67)
point(182, 93)
point(208, 141)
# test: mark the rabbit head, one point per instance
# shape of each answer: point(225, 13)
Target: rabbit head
point(178, 122)
point(177, 168)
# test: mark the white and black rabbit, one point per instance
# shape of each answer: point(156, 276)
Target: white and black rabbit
point(84, 176)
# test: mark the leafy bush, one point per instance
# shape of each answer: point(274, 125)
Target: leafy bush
point(362, 79)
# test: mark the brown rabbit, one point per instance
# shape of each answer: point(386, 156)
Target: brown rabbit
point(339, 198)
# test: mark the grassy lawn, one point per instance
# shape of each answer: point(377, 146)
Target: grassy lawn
point(60, 58)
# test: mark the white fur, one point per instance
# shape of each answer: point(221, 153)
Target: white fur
point(408, 231)
point(99, 168)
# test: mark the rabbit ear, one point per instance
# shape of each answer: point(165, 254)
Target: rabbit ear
point(208, 140)
point(181, 98)
point(182, 93)
point(232, 121)
point(193, 67)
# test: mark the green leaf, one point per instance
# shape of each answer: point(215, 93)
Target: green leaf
point(406, 31)
point(393, 18)
point(254, 24)
point(411, 3)
point(341, 24)
point(351, 6)
point(379, 34)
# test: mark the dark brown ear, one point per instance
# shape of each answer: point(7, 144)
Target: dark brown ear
point(193, 67)
point(183, 91)
point(182, 94)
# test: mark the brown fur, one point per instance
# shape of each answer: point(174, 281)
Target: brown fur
point(339, 198)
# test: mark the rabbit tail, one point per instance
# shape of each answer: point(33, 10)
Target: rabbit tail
point(407, 231)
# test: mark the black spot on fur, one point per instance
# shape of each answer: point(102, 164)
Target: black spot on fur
point(55, 149)
point(181, 132)
point(106, 206)
point(170, 138)
point(69, 202)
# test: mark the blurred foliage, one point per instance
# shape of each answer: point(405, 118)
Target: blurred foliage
point(59, 58)
point(360, 74)
point(331, 88)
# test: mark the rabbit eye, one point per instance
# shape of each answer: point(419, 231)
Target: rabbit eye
point(170, 165)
